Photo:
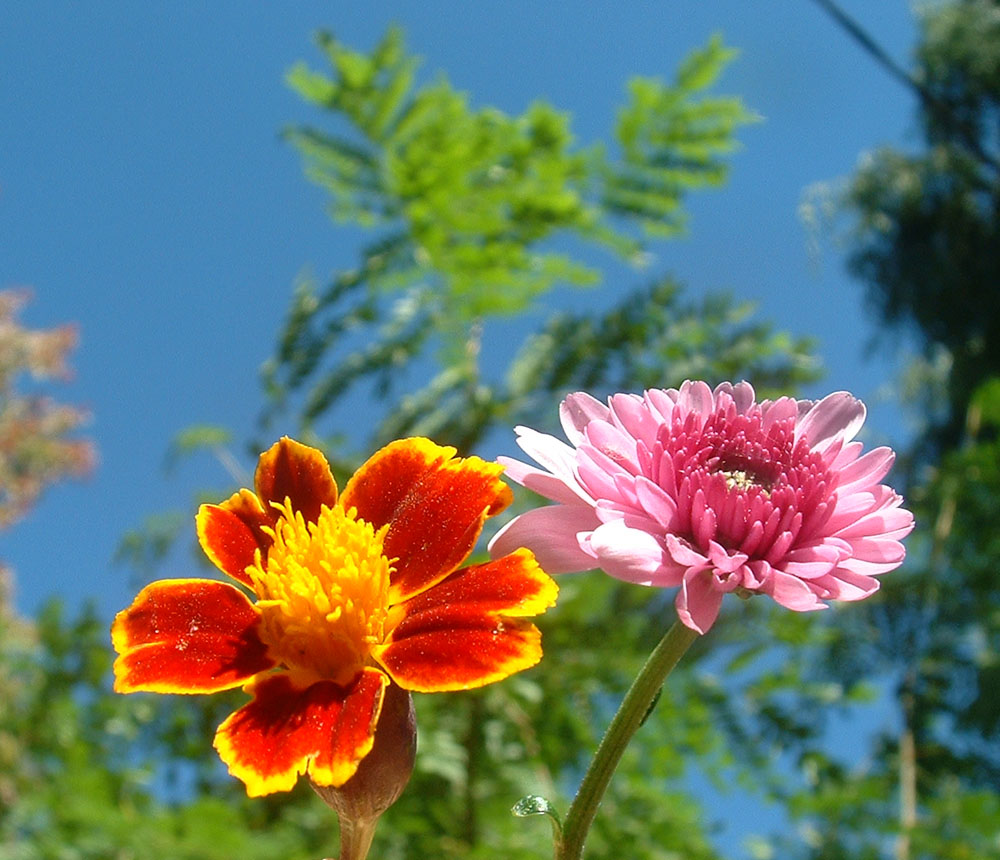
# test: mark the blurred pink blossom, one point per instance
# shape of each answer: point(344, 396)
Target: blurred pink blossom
point(713, 492)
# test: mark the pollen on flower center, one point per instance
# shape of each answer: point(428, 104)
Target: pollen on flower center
point(741, 480)
point(323, 591)
point(747, 459)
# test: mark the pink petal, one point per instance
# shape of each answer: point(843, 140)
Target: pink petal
point(608, 512)
point(633, 555)
point(891, 523)
point(615, 444)
point(577, 411)
point(792, 592)
point(868, 568)
point(837, 416)
point(698, 603)
point(743, 395)
point(879, 550)
point(846, 455)
point(633, 416)
point(661, 403)
point(549, 452)
point(655, 502)
point(552, 487)
point(811, 562)
point(722, 560)
point(866, 471)
point(682, 553)
point(696, 397)
point(551, 533)
point(782, 409)
point(597, 473)
point(850, 509)
point(844, 585)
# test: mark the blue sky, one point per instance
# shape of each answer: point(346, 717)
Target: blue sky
point(145, 195)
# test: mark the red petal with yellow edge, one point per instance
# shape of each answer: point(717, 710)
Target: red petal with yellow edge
point(435, 505)
point(187, 636)
point(513, 585)
point(229, 533)
point(457, 648)
point(324, 729)
point(289, 469)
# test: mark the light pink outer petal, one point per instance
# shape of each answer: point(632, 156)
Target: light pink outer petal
point(613, 443)
point(775, 411)
point(865, 472)
point(633, 555)
point(551, 533)
point(631, 414)
point(792, 592)
point(577, 411)
point(837, 417)
point(662, 402)
point(683, 554)
point(545, 484)
point(656, 502)
point(887, 523)
point(842, 457)
point(696, 396)
point(860, 567)
point(811, 562)
point(697, 602)
point(742, 393)
point(847, 586)
point(878, 550)
point(549, 452)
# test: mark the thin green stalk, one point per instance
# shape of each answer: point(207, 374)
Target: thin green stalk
point(630, 716)
point(356, 837)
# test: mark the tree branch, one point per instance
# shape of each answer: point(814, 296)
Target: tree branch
point(931, 103)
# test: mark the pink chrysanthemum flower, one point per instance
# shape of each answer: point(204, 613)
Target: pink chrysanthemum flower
point(713, 492)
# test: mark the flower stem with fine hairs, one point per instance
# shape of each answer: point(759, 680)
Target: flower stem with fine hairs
point(356, 838)
point(631, 713)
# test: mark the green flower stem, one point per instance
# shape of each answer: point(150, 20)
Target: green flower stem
point(631, 713)
point(356, 837)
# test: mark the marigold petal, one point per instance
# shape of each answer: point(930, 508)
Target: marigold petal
point(454, 648)
point(324, 729)
point(434, 503)
point(187, 636)
point(513, 585)
point(291, 470)
point(230, 533)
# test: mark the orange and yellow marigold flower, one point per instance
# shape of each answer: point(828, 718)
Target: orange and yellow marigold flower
point(354, 591)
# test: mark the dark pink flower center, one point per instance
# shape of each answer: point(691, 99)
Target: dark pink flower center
point(752, 490)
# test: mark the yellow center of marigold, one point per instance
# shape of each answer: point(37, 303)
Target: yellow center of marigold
point(323, 592)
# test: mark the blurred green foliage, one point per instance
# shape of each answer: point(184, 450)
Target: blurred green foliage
point(39, 441)
point(925, 226)
point(923, 236)
point(477, 215)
